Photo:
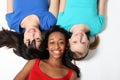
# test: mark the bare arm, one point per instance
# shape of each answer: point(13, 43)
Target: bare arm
point(62, 5)
point(54, 7)
point(23, 74)
point(102, 6)
point(9, 6)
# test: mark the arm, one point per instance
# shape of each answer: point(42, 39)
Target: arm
point(9, 6)
point(54, 7)
point(24, 73)
point(62, 5)
point(102, 6)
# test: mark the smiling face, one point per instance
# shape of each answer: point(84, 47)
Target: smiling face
point(33, 34)
point(56, 44)
point(79, 43)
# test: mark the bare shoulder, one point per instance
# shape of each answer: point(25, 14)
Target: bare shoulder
point(73, 76)
point(23, 74)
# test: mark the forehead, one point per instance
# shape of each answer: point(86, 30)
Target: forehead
point(56, 35)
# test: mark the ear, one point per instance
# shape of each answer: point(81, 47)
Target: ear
point(69, 40)
point(46, 48)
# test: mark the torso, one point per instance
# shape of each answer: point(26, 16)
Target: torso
point(81, 12)
point(42, 70)
point(30, 12)
point(53, 71)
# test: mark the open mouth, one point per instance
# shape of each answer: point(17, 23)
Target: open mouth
point(57, 52)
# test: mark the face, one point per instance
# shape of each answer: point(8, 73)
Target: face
point(79, 43)
point(33, 34)
point(56, 44)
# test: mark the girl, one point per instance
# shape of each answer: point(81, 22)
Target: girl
point(56, 64)
point(83, 18)
point(28, 18)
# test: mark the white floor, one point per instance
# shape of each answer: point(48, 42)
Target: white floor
point(101, 64)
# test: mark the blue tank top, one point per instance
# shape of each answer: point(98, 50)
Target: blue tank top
point(81, 12)
point(23, 8)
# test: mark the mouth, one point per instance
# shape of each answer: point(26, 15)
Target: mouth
point(80, 34)
point(31, 30)
point(57, 52)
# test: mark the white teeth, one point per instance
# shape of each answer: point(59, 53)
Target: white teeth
point(56, 52)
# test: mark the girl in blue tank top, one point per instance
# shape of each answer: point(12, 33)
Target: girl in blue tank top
point(81, 17)
point(31, 17)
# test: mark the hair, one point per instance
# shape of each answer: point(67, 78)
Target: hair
point(15, 40)
point(67, 56)
point(94, 44)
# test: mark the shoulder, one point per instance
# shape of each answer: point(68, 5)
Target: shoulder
point(29, 64)
point(23, 74)
point(73, 76)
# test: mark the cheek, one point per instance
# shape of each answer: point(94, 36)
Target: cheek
point(64, 47)
point(26, 36)
point(49, 47)
point(38, 44)
point(38, 33)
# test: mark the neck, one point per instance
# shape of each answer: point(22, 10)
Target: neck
point(29, 27)
point(55, 62)
point(79, 27)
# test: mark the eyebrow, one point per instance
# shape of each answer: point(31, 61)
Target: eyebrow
point(53, 39)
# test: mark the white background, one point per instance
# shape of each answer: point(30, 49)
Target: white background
point(101, 64)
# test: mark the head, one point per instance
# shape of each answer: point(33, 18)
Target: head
point(15, 40)
point(79, 44)
point(56, 41)
point(33, 36)
point(56, 44)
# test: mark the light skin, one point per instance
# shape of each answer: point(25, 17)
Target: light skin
point(32, 22)
point(81, 28)
point(52, 66)
point(79, 41)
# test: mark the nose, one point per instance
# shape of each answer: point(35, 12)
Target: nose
point(80, 38)
point(84, 40)
point(31, 36)
point(57, 46)
point(31, 33)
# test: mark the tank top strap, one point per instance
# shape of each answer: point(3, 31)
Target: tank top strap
point(37, 61)
point(70, 71)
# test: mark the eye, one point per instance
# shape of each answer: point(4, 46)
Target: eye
point(38, 40)
point(83, 43)
point(74, 41)
point(61, 42)
point(51, 42)
point(27, 42)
